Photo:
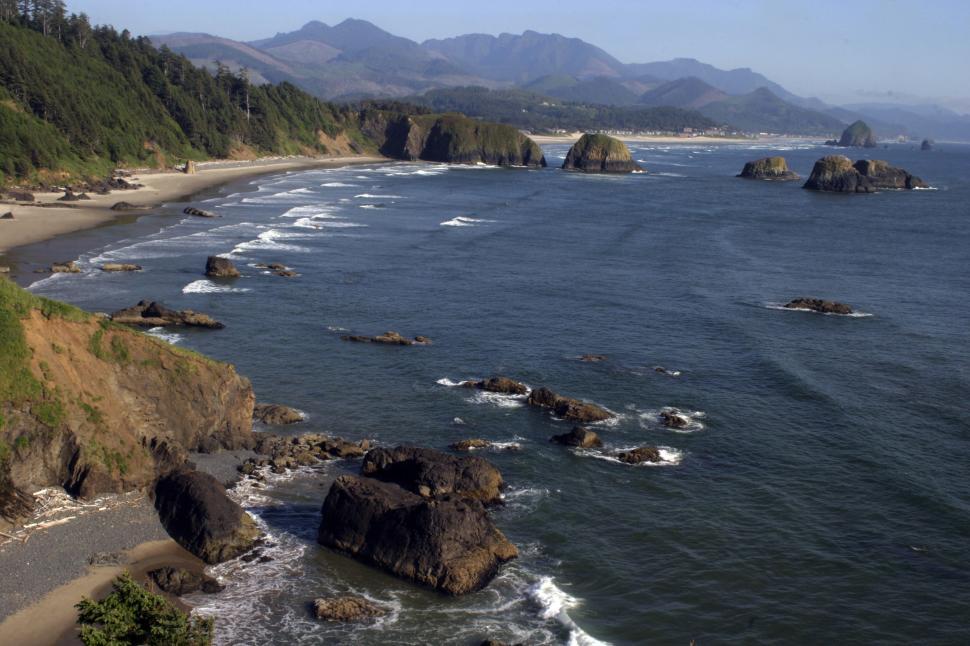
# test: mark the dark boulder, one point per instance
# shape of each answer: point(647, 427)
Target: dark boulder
point(346, 608)
point(640, 455)
point(579, 437)
point(20, 196)
point(883, 176)
point(471, 445)
point(673, 418)
point(818, 305)
point(502, 385)
point(197, 513)
point(69, 267)
point(926, 145)
point(772, 168)
point(7, 216)
point(568, 408)
point(199, 213)
point(448, 544)
point(218, 267)
point(276, 414)
point(180, 582)
point(127, 206)
point(431, 473)
point(154, 314)
point(836, 174)
point(388, 338)
point(600, 154)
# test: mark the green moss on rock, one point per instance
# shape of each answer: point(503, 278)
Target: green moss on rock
point(597, 153)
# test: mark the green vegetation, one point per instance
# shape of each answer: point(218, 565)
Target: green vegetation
point(133, 615)
point(538, 113)
point(78, 100)
point(762, 111)
point(602, 147)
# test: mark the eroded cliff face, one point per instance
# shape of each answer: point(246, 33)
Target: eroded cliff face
point(450, 138)
point(96, 407)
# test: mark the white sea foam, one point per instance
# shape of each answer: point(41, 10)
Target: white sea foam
point(369, 196)
point(319, 211)
point(669, 456)
point(338, 185)
point(554, 605)
point(444, 381)
point(209, 287)
point(464, 221)
point(651, 419)
point(372, 206)
point(268, 241)
point(497, 399)
point(781, 306)
point(165, 335)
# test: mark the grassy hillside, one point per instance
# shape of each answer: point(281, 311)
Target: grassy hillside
point(83, 100)
point(762, 111)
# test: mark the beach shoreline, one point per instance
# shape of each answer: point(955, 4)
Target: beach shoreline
point(32, 224)
point(572, 138)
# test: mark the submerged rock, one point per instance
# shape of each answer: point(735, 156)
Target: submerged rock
point(218, 267)
point(199, 213)
point(600, 154)
point(818, 305)
point(388, 338)
point(580, 437)
point(114, 266)
point(346, 608)
point(197, 513)
point(568, 408)
point(502, 385)
point(276, 414)
point(154, 314)
point(181, 582)
point(639, 455)
point(773, 168)
point(69, 267)
point(471, 444)
point(593, 358)
point(431, 473)
point(448, 544)
point(673, 418)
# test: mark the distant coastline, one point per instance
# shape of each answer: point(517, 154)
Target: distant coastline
point(573, 137)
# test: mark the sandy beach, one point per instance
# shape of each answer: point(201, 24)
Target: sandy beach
point(651, 139)
point(36, 223)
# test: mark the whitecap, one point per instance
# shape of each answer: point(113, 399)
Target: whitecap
point(338, 185)
point(464, 221)
point(781, 306)
point(444, 381)
point(369, 196)
point(209, 287)
point(554, 605)
point(669, 456)
point(651, 419)
point(165, 335)
point(497, 399)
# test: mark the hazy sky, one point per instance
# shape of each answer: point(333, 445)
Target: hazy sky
point(835, 49)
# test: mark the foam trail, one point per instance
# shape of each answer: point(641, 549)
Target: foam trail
point(554, 605)
point(163, 334)
point(209, 287)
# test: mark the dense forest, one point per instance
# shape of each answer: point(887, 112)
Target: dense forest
point(78, 100)
point(539, 113)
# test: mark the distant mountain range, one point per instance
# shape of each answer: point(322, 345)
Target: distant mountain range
point(357, 60)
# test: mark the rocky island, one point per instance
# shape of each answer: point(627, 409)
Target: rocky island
point(857, 135)
point(837, 174)
point(600, 154)
point(770, 168)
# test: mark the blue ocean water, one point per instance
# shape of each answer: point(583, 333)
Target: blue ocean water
point(820, 494)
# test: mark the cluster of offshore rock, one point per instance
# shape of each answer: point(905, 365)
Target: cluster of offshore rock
point(837, 174)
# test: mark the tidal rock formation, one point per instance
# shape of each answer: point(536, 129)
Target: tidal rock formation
point(20, 196)
point(568, 408)
point(448, 544)
point(180, 582)
point(304, 450)
point(858, 135)
point(580, 437)
point(926, 145)
point(818, 305)
point(600, 154)
point(836, 174)
point(431, 473)
point(114, 266)
point(199, 213)
point(502, 385)
point(450, 138)
point(154, 314)
point(883, 176)
point(71, 196)
point(276, 414)
point(639, 455)
point(388, 338)
point(471, 445)
point(346, 608)
point(593, 358)
point(218, 267)
point(69, 267)
point(197, 513)
point(772, 168)
point(673, 418)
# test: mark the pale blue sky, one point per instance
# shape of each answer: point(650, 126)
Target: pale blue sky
point(829, 48)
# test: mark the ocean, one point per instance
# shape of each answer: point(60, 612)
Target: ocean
point(819, 495)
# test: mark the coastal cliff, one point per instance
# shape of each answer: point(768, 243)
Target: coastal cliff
point(449, 138)
point(96, 407)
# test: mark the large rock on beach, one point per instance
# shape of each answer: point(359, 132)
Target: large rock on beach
point(154, 314)
point(218, 267)
point(600, 154)
point(568, 408)
point(197, 513)
point(502, 385)
point(448, 544)
point(578, 437)
point(431, 473)
point(346, 608)
point(772, 168)
point(818, 305)
point(178, 581)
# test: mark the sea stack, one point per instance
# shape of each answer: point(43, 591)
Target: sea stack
point(926, 145)
point(600, 154)
point(837, 174)
point(858, 135)
point(773, 168)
